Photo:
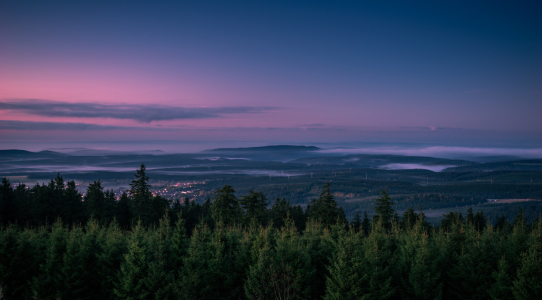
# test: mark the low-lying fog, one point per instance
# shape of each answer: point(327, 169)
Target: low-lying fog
point(436, 168)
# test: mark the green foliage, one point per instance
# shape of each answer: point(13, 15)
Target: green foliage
point(366, 224)
point(501, 288)
point(225, 207)
point(344, 271)
point(8, 211)
point(130, 282)
point(282, 269)
point(196, 280)
point(282, 210)
point(185, 255)
point(325, 209)
point(100, 205)
point(123, 211)
point(19, 254)
point(254, 206)
point(384, 210)
point(356, 222)
point(144, 206)
point(47, 284)
point(377, 281)
point(528, 284)
point(110, 258)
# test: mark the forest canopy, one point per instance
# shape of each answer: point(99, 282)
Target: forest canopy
point(57, 244)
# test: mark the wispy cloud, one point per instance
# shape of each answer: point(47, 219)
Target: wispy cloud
point(145, 113)
point(28, 125)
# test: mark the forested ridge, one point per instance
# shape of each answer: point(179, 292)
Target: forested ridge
point(56, 244)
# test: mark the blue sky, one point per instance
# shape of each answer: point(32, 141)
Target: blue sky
point(455, 73)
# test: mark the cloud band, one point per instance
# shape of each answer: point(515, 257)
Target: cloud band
point(139, 112)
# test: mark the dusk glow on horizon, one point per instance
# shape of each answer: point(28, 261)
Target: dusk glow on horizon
point(337, 72)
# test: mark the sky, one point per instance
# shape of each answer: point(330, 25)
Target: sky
point(155, 73)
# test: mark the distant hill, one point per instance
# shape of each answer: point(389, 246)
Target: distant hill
point(281, 148)
point(15, 153)
point(93, 152)
point(494, 158)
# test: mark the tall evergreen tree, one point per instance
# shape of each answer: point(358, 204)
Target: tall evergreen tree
point(79, 271)
point(528, 284)
point(197, 279)
point(225, 207)
point(145, 207)
point(384, 210)
point(366, 224)
point(100, 205)
point(502, 286)
point(123, 211)
point(356, 222)
point(409, 219)
point(110, 258)
point(46, 285)
point(479, 221)
point(161, 279)
point(450, 219)
point(8, 212)
point(377, 281)
point(131, 279)
point(344, 277)
point(283, 271)
point(470, 216)
point(254, 206)
point(325, 209)
point(74, 204)
point(279, 212)
point(419, 275)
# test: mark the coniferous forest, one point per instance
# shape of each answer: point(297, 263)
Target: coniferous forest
point(57, 244)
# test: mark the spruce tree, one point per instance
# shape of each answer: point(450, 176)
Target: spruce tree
point(20, 255)
point(8, 213)
point(123, 211)
point(282, 271)
point(366, 224)
point(325, 209)
point(528, 284)
point(225, 207)
point(113, 249)
point(279, 212)
point(96, 202)
point(320, 244)
point(377, 280)
point(470, 216)
point(161, 280)
point(79, 278)
point(420, 277)
point(46, 285)
point(143, 206)
point(409, 219)
point(344, 277)
point(479, 221)
point(502, 286)
point(8, 248)
point(131, 279)
point(196, 278)
point(356, 222)
point(384, 210)
point(254, 207)
point(179, 245)
point(73, 211)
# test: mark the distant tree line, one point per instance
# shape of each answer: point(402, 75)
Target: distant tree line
point(44, 204)
point(231, 248)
